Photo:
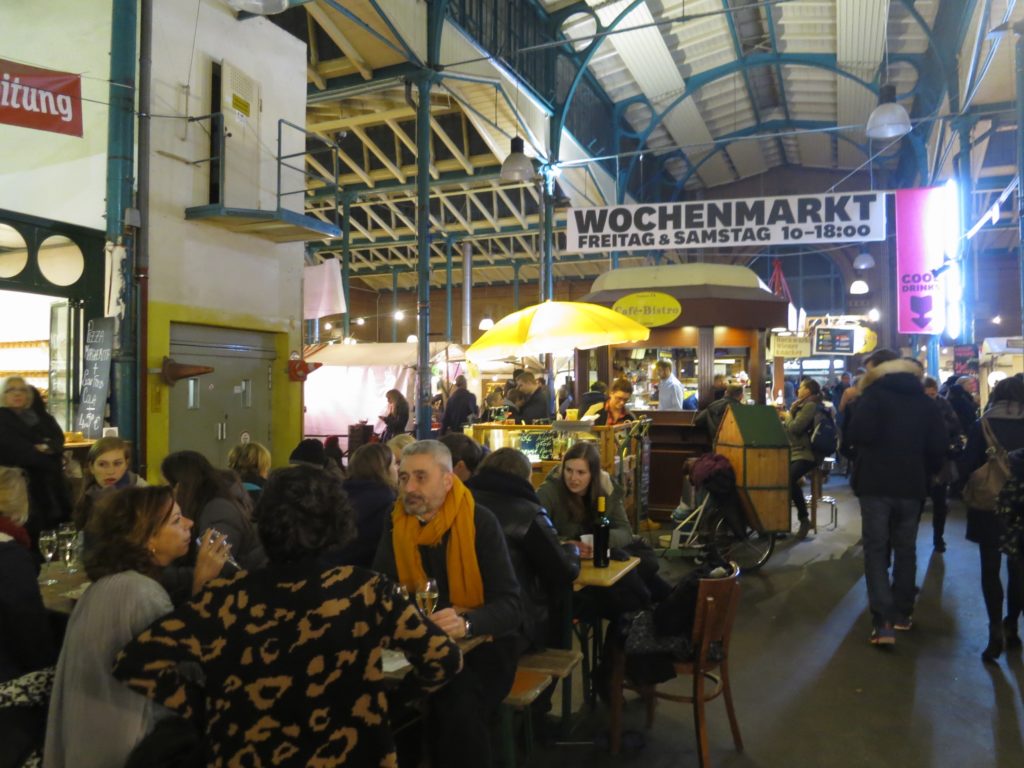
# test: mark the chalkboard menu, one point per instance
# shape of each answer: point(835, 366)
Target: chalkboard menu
point(833, 341)
point(99, 342)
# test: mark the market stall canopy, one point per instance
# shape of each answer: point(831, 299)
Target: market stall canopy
point(555, 326)
point(701, 290)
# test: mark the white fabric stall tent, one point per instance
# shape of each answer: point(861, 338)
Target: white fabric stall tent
point(351, 384)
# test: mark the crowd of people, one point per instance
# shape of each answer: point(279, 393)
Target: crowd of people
point(238, 615)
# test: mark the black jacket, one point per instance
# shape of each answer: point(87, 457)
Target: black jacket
point(26, 643)
point(1007, 422)
point(500, 614)
point(372, 503)
point(535, 407)
point(49, 496)
point(461, 405)
point(545, 568)
point(897, 433)
point(963, 405)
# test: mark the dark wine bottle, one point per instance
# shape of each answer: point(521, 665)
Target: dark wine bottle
point(602, 535)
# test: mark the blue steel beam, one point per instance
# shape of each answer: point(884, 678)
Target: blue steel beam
point(737, 47)
point(404, 50)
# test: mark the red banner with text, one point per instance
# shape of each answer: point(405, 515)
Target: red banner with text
point(42, 99)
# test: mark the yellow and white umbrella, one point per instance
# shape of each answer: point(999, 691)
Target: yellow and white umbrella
point(556, 327)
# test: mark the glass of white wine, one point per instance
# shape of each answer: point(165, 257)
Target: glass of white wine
point(48, 548)
point(426, 596)
point(67, 537)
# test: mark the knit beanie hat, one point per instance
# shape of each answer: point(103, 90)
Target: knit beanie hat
point(311, 452)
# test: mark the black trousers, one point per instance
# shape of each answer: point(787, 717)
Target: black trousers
point(992, 584)
point(940, 508)
point(460, 714)
point(798, 469)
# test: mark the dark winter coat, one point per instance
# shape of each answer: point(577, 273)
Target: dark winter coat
point(545, 568)
point(535, 407)
point(963, 405)
point(1007, 422)
point(372, 503)
point(896, 432)
point(26, 643)
point(49, 496)
point(461, 405)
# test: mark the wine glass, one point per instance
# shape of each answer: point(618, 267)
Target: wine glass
point(66, 538)
point(48, 548)
point(230, 560)
point(426, 596)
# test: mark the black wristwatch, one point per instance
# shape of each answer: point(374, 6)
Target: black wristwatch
point(468, 626)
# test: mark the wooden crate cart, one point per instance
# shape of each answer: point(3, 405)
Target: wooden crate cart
point(752, 438)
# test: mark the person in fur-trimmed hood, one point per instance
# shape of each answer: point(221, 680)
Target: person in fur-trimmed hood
point(899, 441)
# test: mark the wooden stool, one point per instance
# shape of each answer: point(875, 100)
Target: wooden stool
point(559, 663)
point(527, 686)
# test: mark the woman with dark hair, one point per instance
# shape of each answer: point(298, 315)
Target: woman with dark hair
point(396, 417)
point(94, 721)
point(106, 469)
point(799, 423)
point(208, 500)
point(1005, 419)
point(570, 494)
point(289, 658)
point(371, 487)
point(30, 438)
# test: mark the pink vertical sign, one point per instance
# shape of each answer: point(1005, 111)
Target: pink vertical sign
point(922, 218)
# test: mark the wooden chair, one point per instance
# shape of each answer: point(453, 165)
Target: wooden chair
point(559, 663)
point(717, 600)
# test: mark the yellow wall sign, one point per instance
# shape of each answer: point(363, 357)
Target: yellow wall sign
point(650, 308)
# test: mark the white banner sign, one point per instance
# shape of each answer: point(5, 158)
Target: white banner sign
point(829, 218)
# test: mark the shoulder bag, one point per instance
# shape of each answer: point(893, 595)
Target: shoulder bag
point(985, 483)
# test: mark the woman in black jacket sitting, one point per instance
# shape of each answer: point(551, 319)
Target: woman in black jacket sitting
point(371, 483)
point(545, 568)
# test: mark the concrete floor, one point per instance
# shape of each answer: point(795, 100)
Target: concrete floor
point(811, 691)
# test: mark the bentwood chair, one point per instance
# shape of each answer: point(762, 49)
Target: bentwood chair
point(717, 600)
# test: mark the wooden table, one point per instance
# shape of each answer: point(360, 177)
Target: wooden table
point(603, 577)
point(395, 666)
point(54, 598)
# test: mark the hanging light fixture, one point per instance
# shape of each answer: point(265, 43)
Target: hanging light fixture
point(517, 166)
point(863, 260)
point(486, 323)
point(859, 288)
point(412, 338)
point(889, 120)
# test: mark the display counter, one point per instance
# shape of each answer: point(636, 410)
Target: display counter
point(673, 439)
point(624, 451)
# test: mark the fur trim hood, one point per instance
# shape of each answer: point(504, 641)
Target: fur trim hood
point(890, 368)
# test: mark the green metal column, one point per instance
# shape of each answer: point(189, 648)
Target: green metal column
point(515, 285)
point(423, 413)
point(449, 244)
point(120, 180)
point(965, 264)
point(394, 305)
point(346, 260)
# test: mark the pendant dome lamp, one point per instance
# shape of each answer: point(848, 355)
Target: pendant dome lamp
point(517, 166)
point(889, 120)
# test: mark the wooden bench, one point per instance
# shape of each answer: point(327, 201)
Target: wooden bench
point(559, 663)
point(528, 685)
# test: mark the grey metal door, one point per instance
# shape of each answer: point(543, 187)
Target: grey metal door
point(213, 412)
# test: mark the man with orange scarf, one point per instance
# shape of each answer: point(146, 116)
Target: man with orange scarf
point(438, 532)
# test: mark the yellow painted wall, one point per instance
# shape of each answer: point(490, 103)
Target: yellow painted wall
point(286, 396)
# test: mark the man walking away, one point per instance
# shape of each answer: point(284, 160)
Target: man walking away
point(461, 407)
point(899, 443)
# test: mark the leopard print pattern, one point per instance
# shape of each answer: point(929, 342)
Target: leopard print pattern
point(291, 658)
point(30, 690)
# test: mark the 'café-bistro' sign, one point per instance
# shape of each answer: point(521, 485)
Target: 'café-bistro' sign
point(827, 218)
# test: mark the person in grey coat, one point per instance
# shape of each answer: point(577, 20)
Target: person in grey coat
point(799, 426)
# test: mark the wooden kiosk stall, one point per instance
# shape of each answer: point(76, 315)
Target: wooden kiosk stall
point(706, 319)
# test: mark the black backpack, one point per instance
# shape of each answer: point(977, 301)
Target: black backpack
point(824, 433)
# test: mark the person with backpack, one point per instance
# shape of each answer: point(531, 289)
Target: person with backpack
point(1001, 427)
point(800, 425)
